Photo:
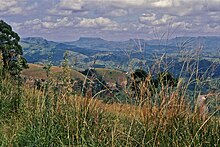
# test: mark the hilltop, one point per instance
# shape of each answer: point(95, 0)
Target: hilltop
point(118, 54)
point(38, 71)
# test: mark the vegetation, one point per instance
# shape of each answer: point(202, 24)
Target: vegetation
point(9, 40)
point(165, 111)
point(144, 86)
point(58, 118)
point(119, 54)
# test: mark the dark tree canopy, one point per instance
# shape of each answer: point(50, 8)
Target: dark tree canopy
point(154, 84)
point(10, 40)
point(167, 78)
point(139, 73)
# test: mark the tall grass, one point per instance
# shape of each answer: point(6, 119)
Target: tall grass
point(54, 117)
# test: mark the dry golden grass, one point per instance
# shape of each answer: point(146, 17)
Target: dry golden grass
point(78, 121)
point(124, 110)
point(37, 71)
point(112, 76)
point(109, 75)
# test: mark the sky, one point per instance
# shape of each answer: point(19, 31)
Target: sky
point(68, 20)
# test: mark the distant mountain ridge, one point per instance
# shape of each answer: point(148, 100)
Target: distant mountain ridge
point(209, 41)
point(86, 52)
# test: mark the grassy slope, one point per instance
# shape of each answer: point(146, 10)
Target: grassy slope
point(112, 76)
point(37, 71)
point(50, 118)
point(46, 119)
point(109, 75)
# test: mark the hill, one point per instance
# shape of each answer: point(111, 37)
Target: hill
point(48, 117)
point(112, 76)
point(86, 51)
point(175, 54)
point(37, 71)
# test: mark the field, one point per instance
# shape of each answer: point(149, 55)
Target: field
point(38, 71)
point(30, 117)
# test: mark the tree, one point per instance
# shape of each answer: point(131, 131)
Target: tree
point(166, 79)
point(139, 73)
point(143, 85)
point(10, 40)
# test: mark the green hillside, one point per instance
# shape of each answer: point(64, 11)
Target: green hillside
point(123, 55)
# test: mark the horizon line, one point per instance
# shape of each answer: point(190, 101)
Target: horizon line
point(94, 37)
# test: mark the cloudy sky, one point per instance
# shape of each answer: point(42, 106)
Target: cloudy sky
point(66, 20)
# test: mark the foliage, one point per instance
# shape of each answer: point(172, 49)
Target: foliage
point(57, 116)
point(52, 118)
point(143, 85)
point(10, 40)
point(94, 84)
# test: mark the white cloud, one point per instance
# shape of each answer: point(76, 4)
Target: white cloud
point(74, 5)
point(48, 18)
point(44, 25)
point(165, 19)
point(16, 7)
point(118, 12)
point(181, 25)
point(128, 2)
point(32, 22)
point(64, 22)
point(66, 7)
point(153, 19)
point(15, 10)
point(4, 5)
point(147, 17)
point(215, 17)
point(163, 3)
point(55, 11)
point(35, 24)
point(212, 5)
point(100, 22)
point(212, 28)
point(9, 7)
point(16, 25)
point(130, 16)
point(213, 25)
